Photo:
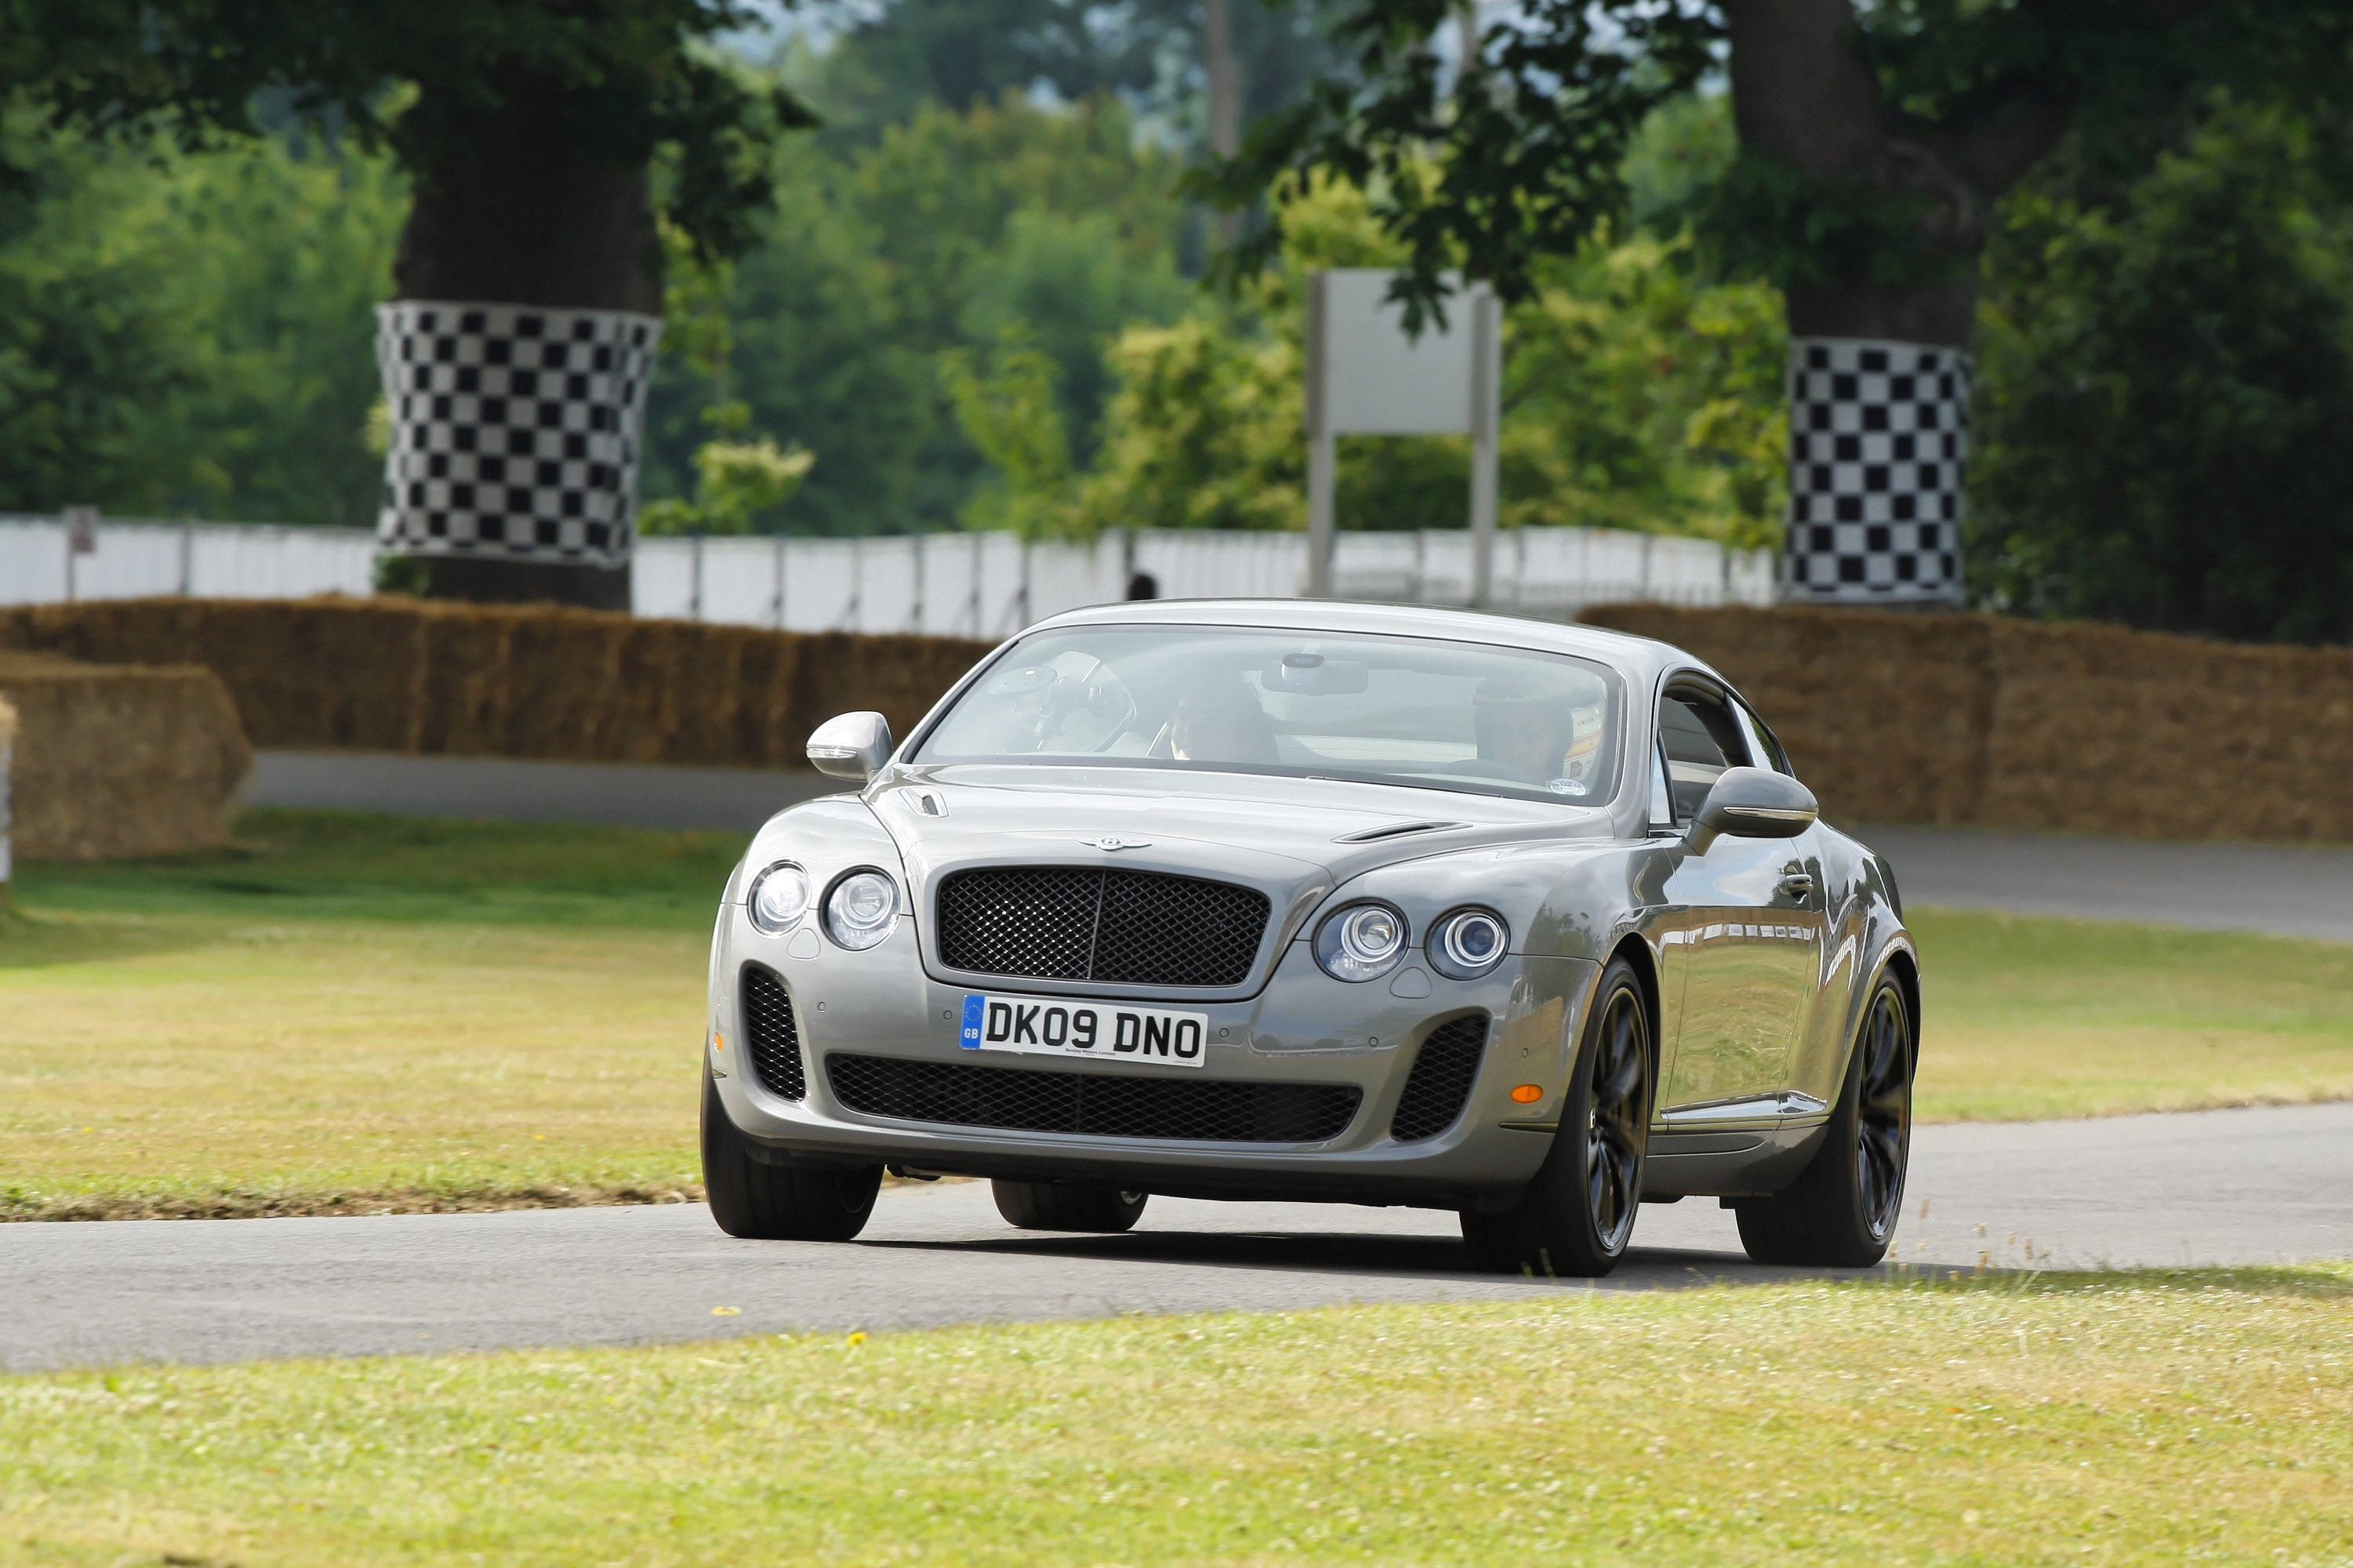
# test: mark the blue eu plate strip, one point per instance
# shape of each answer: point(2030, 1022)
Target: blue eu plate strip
point(973, 1007)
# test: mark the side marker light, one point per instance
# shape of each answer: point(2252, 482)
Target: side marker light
point(1527, 1094)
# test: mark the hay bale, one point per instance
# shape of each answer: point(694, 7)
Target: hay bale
point(510, 680)
point(2008, 724)
point(114, 761)
point(8, 741)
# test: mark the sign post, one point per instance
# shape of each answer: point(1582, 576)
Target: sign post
point(1366, 376)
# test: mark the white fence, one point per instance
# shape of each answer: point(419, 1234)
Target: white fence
point(982, 585)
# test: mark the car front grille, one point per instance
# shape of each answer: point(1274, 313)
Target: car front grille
point(771, 1038)
point(1137, 928)
point(1213, 1111)
point(1440, 1079)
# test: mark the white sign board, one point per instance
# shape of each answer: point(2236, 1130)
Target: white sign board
point(1367, 376)
point(1377, 381)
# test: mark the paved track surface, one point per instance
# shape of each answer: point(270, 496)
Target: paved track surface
point(627, 795)
point(2285, 891)
point(2238, 1186)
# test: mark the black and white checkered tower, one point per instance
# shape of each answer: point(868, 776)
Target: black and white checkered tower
point(1878, 442)
point(514, 429)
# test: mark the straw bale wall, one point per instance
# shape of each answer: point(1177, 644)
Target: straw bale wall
point(112, 762)
point(2017, 724)
point(406, 675)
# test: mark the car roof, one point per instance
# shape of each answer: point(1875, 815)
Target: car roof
point(1639, 658)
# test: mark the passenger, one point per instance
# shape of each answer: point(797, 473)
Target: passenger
point(1220, 721)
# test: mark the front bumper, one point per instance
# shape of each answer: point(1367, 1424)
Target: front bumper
point(1302, 1027)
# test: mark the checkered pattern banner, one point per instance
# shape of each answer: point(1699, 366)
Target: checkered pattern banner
point(1878, 438)
point(514, 429)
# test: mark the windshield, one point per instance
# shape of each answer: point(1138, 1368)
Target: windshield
point(1386, 710)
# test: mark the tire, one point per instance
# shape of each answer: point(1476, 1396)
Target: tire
point(1103, 1207)
point(1575, 1217)
point(770, 1203)
point(1841, 1212)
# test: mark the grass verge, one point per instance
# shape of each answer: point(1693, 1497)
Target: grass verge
point(362, 1014)
point(2106, 1419)
point(2030, 1019)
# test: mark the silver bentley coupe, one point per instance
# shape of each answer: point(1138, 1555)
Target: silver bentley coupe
point(1310, 901)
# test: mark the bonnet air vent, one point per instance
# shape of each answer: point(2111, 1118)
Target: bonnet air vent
point(1396, 830)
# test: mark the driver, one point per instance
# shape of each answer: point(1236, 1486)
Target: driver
point(1220, 721)
point(1528, 730)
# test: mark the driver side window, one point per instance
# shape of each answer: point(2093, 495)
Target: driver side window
point(1701, 739)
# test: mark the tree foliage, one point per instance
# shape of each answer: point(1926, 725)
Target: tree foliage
point(629, 81)
point(190, 334)
point(2169, 385)
point(1520, 153)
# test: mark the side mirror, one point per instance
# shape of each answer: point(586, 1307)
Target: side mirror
point(851, 746)
point(1752, 803)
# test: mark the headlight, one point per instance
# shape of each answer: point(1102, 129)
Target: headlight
point(1467, 944)
point(1363, 941)
point(859, 909)
point(779, 896)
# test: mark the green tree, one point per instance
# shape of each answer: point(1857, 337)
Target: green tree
point(930, 240)
point(2169, 386)
point(1636, 395)
point(189, 334)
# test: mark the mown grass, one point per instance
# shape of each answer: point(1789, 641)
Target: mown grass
point(2027, 1019)
point(356, 1013)
point(2115, 1419)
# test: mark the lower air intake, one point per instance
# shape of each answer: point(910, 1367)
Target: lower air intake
point(1102, 1105)
point(771, 1038)
point(1440, 1079)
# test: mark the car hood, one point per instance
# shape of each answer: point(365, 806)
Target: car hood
point(1295, 839)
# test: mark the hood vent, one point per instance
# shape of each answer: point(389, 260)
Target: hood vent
point(1396, 830)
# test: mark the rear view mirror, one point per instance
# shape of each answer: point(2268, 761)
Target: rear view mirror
point(1752, 803)
point(1312, 675)
point(851, 746)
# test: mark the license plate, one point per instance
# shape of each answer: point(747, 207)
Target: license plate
point(1104, 1030)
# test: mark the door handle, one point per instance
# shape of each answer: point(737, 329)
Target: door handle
point(1799, 886)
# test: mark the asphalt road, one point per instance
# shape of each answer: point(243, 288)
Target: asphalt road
point(2290, 891)
point(2232, 1186)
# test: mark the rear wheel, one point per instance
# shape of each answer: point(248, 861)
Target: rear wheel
point(1104, 1207)
point(1578, 1214)
point(1841, 1214)
point(770, 1203)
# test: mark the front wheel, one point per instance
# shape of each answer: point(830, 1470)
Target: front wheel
point(1840, 1213)
point(769, 1203)
point(1104, 1208)
point(1578, 1215)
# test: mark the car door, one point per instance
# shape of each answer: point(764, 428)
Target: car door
point(1750, 921)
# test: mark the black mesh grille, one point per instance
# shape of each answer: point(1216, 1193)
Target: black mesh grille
point(770, 1035)
point(1137, 928)
point(1440, 1079)
point(1102, 1105)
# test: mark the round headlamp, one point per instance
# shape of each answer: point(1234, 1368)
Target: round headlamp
point(1363, 941)
point(779, 896)
point(861, 909)
point(1467, 944)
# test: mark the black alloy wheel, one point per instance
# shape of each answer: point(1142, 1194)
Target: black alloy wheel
point(1575, 1217)
point(1104, 1208)
point(1883, 1114)
point(1618, 1119)
point(1841, 1212)
point(754, 1199)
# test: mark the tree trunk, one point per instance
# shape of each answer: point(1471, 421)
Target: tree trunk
point(1879, 372)
point(524, 211)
